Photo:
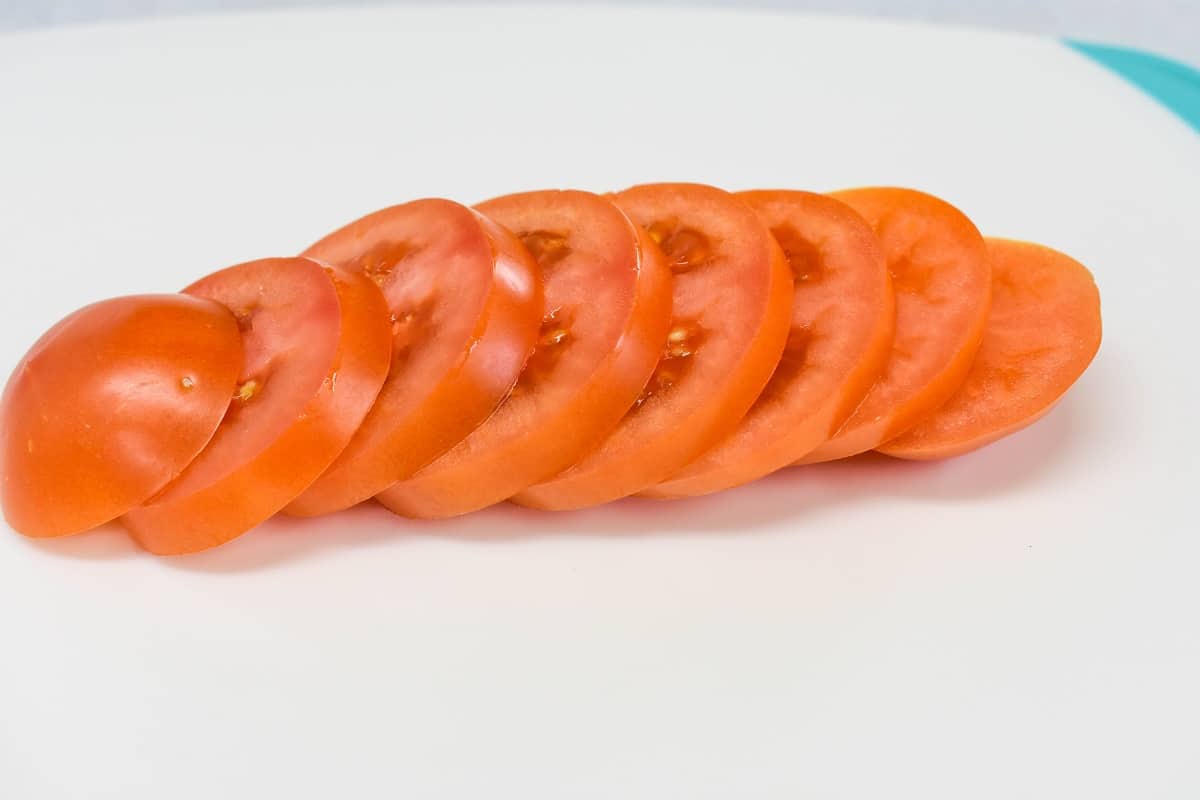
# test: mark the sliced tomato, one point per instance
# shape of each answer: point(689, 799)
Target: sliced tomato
point(465, 304)
point(110, 405)
point(1042, 332)
point(317, 343)
point(732, 309)
point(843, 316)
point(607, 307)
point(942, 281)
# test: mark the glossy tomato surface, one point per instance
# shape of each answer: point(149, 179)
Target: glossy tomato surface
point(110, 405)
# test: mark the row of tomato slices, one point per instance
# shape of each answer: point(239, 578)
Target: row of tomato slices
point(559, 349)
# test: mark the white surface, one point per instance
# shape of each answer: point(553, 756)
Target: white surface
point(1017, 623)
point(1165, 26)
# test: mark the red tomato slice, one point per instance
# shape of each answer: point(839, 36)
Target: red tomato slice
point(732, 310)
point(109, 406)
point(465, 303)
point(606, 312)
point(942, 279)
point(1042, 332)
point(317, 343)
point(843, 316)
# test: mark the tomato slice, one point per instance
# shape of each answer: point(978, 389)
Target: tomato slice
point(317, 343)
point(732, 309)
point(109, 406)
point(607, 308)
point(942, 280)
point(843, 317)
point(465, 303)
point(1042, 332)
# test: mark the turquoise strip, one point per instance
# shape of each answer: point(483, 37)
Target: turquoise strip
point(1172, 83)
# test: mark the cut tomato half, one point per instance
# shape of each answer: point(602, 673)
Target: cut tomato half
point(843, 315)
point(732, 309)
point(607, 307)
point(942, 281)
point(465, 305)
point(1042, 332)
point(317, 343)
point(110, 405)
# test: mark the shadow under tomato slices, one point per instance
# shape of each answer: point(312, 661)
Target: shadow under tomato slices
point(804, 494)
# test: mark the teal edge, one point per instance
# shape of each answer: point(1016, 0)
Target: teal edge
point(1172, 83)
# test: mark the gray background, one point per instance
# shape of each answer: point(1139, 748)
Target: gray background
point(1170, 27)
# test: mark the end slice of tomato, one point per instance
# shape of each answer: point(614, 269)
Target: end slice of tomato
point(1042, 332)
point(110, 405)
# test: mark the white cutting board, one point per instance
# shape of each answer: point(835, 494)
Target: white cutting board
point(1020, 622)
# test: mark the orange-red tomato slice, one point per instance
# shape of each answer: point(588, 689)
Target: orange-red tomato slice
point(110, 405)
point(317, 343)
point(607, 308)
point(942, 280)
point(1042, 332)
point(843, 315)
point(732, 313)
point(465, 304)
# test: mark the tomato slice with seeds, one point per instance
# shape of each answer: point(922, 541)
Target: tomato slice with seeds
point(606, 310)
point(465, 304)
point(317, 344)
point(843, 317)
point(942, 280)
point(732, 309)
point(109, 406)
point(1042, 332)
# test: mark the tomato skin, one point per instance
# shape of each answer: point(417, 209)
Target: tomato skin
point(228, 490)
point(110, 405)
point(465, 297)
